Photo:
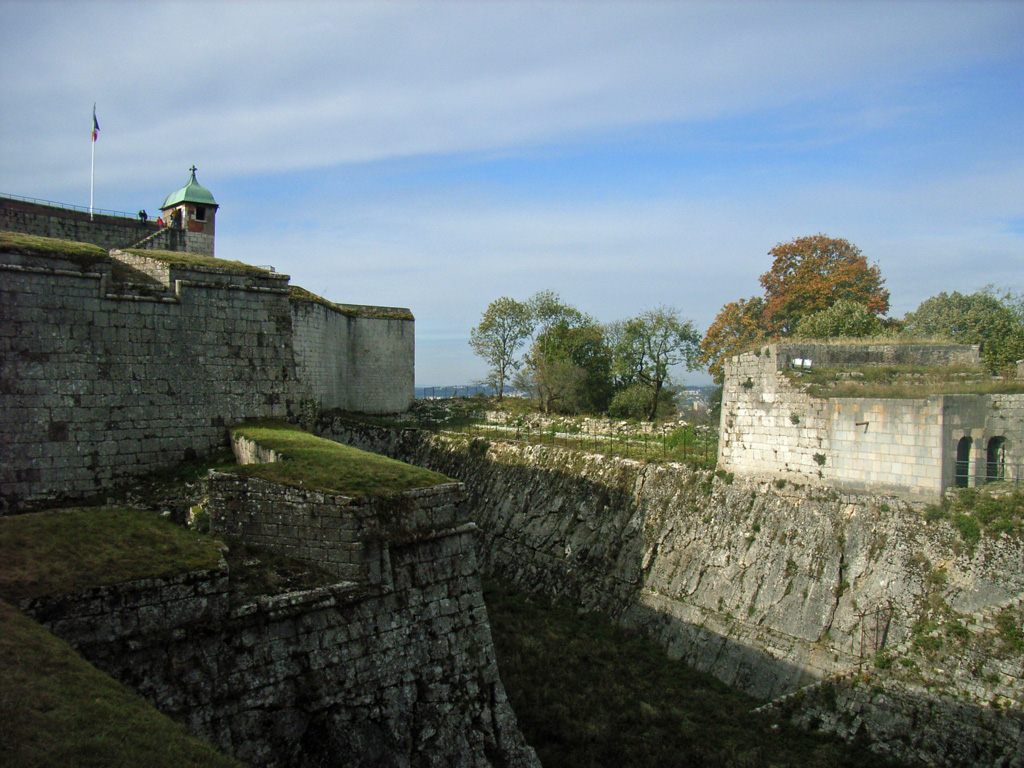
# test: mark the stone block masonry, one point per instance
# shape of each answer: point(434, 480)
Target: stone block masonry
point(395, 668)
point(771, 428)
point(356, 358)
point(100, 381)
point(349, 537)
point(111, 370)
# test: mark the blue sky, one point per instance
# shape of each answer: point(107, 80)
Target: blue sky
point(437, 156)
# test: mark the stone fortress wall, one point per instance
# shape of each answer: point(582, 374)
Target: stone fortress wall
point(104, 377)
point(355, 358)
point(771, 428)
point(75, 225)
point(392, 665)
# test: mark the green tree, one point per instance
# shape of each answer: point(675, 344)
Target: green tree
point(505, 326)
point(844, 319)
point(978, 318)
point(650, 345)
point(568, 366)
point(812, 273)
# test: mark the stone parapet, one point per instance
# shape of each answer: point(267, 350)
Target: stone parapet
point(333, 676)
point(349, 537)
point(830, 355)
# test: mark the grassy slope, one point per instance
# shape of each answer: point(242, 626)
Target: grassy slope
point(588, 695)
point(71, 550)
point(56, 708)
point(82, 254)
point(318, 464)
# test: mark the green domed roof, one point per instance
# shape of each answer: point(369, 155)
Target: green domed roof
point(193, 192)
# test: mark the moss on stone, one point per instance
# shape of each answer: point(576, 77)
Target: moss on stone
point(317, 464)
point(82, 254)
point(351, 310)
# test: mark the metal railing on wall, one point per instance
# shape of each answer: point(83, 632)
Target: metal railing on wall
point(69, 206)
point(995, 472)
point(699, 447)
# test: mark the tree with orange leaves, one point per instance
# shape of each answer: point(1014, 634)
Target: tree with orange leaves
point(812, 273)
point(738, 326)
point(808, 275)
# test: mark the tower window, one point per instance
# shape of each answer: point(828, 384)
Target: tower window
point(200, 213)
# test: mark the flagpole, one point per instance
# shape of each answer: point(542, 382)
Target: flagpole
point(92, 170)
point(92, 177)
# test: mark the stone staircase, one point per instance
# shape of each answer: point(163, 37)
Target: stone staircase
point(142, 243)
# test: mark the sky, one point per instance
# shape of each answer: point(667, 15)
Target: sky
point(625, 155)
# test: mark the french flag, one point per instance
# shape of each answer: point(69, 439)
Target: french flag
point(95, 124)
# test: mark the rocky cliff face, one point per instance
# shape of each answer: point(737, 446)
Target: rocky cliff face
point(767, 585)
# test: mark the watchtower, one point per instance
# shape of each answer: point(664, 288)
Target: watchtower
point(192, 209)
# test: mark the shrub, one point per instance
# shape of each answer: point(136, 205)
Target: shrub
point(969, 529)
point(1009, 626)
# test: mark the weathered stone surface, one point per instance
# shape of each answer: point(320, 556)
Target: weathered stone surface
point(908, 723)
point(772, 429)
point(350, 675)
point(770, 588)
point(102, 380)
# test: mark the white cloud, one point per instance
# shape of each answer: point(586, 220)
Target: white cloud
point(796, 118)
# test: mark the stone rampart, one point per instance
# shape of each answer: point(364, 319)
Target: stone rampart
point(116, 367)
point(350, 537)
point(771, 428)
point(104, 230)
point(101, 380)
point(356, 358)
point(332, 676)
point(395, 668)
point(769, 588)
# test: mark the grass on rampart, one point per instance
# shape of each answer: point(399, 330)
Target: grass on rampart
point(57, 709)
point(82, 254)
point(886, 382)
point(204, 262)
point(351, 310)
point(67, 551)
point(316, 464)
